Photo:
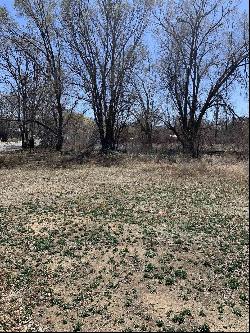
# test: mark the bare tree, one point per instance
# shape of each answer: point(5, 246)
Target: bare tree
point(44, 38)
point(147, 102)
point(24, 87)
point(105, 38)
point(204, 48)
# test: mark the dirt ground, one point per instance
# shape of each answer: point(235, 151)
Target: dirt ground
point(138, 246)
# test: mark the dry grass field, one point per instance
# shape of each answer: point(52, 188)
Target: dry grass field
point(135, 246)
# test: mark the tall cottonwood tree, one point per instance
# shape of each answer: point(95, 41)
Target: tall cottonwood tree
point(105, 37)
point(204, 49)
point(45, 38)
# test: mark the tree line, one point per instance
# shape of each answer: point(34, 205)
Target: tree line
point(174, 63)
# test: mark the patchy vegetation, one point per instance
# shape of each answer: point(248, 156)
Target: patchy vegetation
point(139, 246)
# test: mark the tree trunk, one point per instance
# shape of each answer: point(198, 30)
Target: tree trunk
point(147, 136)
point(149, 144)
point(108, 140)
point(59, 142)
point(24, 136)
point(216, 124)
point(24, 143)
point(108, 144)
point(60, 139)
point(191, 146)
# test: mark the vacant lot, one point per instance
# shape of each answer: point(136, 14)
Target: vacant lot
point(141, 246)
